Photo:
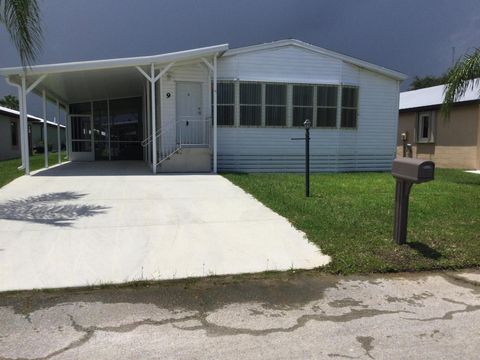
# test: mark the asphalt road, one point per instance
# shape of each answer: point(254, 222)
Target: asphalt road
point(300, 316)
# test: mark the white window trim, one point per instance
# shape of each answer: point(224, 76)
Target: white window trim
point(431, 126)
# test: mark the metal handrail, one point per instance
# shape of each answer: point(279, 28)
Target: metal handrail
point(148, 140)
point(197, 137)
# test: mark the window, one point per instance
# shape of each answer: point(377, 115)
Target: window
point(250, 104)
point(275, 105)
point(326, 106)
point(14, 133)
point(349, 107)
point(225, 103)
point(302, 104)
point(425, 127)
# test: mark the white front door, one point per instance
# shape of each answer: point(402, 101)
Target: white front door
point(81, 138)
point(190, 121)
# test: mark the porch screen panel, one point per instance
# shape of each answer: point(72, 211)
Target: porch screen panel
point(275, 104)
point(326, 106)
point(126, 129)
point(81, 134)
point(225, 103)
point(302, 104)
point(100, 129)
point(250, 104)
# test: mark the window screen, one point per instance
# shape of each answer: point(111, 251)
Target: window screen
point(302, 104)
point(326, 106)
point(225, 103)
point(275, 104)
point(250, 104)
point(349, 107)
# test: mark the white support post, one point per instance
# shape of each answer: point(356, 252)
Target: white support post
point(67, 130)
point(24, 120)
point(45, 128)
point(59, 145)
point(20, 123)
point(215, 114)
point(149, 125)
point(154, 119)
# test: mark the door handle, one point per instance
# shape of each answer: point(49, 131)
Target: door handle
point(186, 123)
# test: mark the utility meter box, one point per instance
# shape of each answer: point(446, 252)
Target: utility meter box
point(414, 170)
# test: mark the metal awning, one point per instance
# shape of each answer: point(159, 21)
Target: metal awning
point(100, 79)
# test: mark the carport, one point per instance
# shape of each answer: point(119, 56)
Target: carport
point(93, 93)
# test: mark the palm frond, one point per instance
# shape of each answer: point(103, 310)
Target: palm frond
point(22, 20)
point(465, 74)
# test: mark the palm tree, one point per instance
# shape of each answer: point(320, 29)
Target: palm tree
point(463, 75)
point(22, 21)
point(10, 102)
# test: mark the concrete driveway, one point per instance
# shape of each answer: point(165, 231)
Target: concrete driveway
point(110, 222)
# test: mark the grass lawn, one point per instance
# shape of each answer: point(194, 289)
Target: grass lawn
point(9, 171)
point(350, 216)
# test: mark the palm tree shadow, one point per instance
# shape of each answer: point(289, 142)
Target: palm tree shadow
point(46, 209)
point(425, 250)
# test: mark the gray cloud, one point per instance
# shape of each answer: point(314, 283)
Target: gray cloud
point(412, 36)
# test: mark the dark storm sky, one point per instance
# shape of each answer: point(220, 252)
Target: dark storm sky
point(411, 36)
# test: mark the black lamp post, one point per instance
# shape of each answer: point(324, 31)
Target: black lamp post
point(307, 124)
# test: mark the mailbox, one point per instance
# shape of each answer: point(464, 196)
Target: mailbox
point(415, 170)
point(407, 171)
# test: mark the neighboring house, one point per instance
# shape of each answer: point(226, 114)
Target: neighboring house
point(161, 108)
point(450, 143)
point(10, 133)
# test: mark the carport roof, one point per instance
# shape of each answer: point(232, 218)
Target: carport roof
point(119, 62)
point(100, 79)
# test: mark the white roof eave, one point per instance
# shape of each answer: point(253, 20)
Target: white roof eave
point(16, 113)
point(115, 63)
point(434, 96)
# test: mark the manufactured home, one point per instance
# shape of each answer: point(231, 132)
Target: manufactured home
point(452, 142)
point(219, 109)
point(10, 134)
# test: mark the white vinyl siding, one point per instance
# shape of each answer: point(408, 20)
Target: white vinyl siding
point(368, 146)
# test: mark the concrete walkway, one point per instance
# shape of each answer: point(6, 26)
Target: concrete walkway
point(111, 222)
point(308, 316)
